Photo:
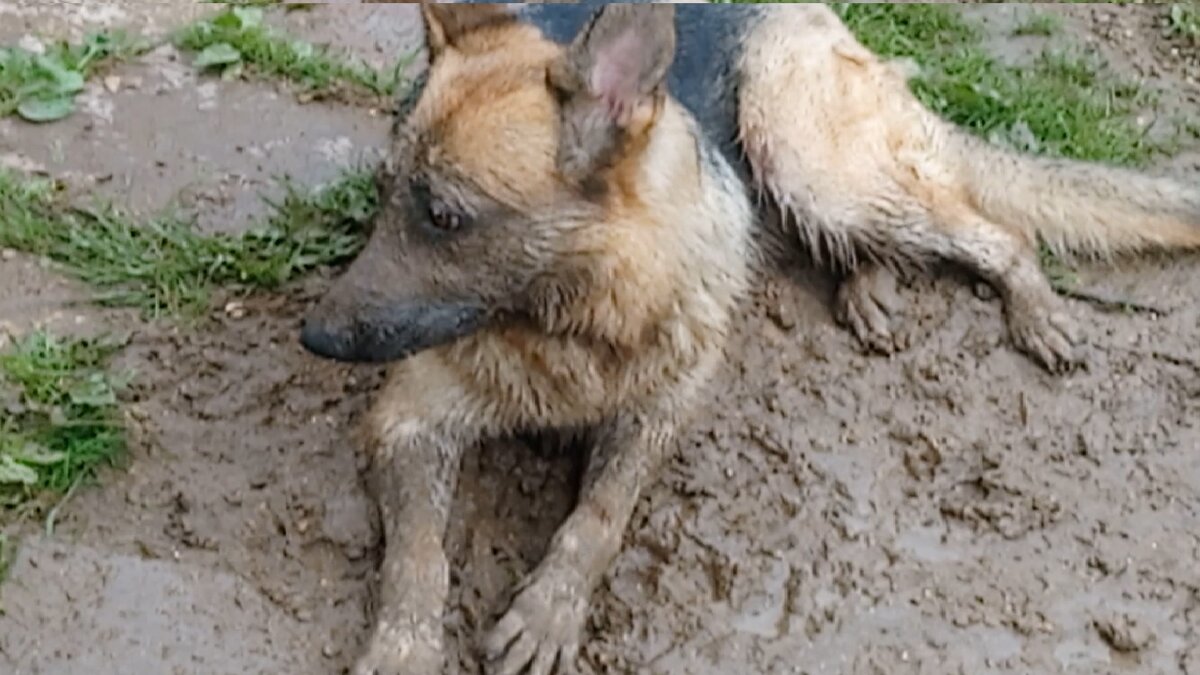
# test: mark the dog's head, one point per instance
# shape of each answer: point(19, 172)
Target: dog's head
point(505, 186)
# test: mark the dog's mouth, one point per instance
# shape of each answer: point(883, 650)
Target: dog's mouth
point(392, 334)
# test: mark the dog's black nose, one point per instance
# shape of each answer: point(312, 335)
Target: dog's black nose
point(319, 340)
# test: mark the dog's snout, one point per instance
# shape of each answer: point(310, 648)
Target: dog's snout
point(317, 338)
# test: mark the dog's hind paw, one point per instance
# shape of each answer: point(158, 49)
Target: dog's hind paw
point(1047, 334)
point(540, 633)
point(866, 303)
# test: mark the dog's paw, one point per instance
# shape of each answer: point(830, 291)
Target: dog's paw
point(866, 304)
point(540, 633)
point(400, 652)
point(1047, 334)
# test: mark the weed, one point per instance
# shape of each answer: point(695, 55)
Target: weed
point(42, 87)
point(1042, 25)
point(1185, 21)
point(237, 40)
point(8, 555)
point(60, 423)
point(163, 266)
point(1061, 105)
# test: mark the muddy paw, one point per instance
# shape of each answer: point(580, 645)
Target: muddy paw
point(866, 303)
point(540, 633)
point(393, 653)
point(1046, 334)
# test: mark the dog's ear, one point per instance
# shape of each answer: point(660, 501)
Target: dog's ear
point(446, 24)
point(611, 83)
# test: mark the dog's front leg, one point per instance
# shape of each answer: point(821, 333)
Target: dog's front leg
point(416, 454)
point(541, 632)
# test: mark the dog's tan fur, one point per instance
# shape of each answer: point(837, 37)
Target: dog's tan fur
point(645, 257)
point(627, 353)
point(873, 177)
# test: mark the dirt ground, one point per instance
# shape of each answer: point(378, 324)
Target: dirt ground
point(951, 510)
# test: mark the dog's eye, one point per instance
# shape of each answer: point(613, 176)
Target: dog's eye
point(444, 218)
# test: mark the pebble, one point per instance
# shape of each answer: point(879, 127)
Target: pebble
point(32, 45)
point(236, 310)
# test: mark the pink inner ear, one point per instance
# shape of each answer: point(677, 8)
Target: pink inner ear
point(615, 76)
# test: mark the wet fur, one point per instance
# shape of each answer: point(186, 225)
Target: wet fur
point(618, 238)
point(872, 181)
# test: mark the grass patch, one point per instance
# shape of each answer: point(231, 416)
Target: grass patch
point(237, 40)
point(8, 553)
point(1041, 25)
point(163, 266)
point(8, 556)
point(1061, 105)
point(61, 421)
point(1185, 21)
point(42, 87)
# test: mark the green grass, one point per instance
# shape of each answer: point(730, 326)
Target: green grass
point(1042, 25)
point(163, 266)
point(42, 87)
point(237, 40)
point(1185, 20)
point(1063, 104)
point(61, 421)
point(8, 555)
point(8, 551)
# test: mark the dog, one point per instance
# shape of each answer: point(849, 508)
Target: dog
point(571, 211)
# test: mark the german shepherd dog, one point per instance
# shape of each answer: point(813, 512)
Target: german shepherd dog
point(568, 226)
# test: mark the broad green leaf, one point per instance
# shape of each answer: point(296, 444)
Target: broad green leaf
point(302, 49)
point(250, 17)
point(220, 54)
point(47, 109)
point(13, 472)
point(38, 455)
point(93, 391)
point(66, 80)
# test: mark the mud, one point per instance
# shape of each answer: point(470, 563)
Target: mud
point(948, 510)
point(156, 133)
point(32, 296)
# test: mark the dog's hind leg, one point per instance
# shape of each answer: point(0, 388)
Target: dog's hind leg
point(810, 127)
point(416, 434)
point(834, 135)
point(540, 633)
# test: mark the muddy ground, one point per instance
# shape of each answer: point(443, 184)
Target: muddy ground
point(951, 510)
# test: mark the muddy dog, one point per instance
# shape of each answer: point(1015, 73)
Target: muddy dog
point(568, 225)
